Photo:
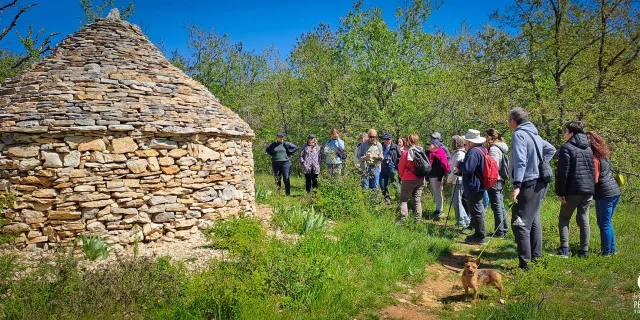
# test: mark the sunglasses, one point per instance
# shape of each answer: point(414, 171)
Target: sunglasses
point(373, 136)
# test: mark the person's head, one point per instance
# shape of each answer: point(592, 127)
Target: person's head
point(473, 138)
point(387, 138)
point(599, 147)
point(363, 137)
point(373, 135)
point(412, 140)
point(436, 136)
point(401, 142)
point(457, 142)
point(572, 128)
point(334, 133)
point(280, 137)
point(433, 145)
point(517, 116)
point(312, 139)
point(493, 136)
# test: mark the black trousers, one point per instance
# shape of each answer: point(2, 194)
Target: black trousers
point(525, 220)
point(281, 171)
point(476, 212)
point(311, 180)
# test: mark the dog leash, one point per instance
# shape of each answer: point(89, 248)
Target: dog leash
point(494, 231)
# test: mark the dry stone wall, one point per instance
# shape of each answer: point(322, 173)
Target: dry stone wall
point(125, 186)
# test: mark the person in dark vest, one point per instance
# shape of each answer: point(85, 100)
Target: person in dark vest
point(280, 152)
point(390, 159)
point(575, 185)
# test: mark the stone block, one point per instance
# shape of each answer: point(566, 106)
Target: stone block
point(123, 145)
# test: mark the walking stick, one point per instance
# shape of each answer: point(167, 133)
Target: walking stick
point(446, 220)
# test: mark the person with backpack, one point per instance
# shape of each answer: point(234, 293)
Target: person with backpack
point(335, 153)
point(455, 179)
point(498, 151)
point(390, 159)
point(413, 168)
point(439, 168)
point(475, 180)
point(575, 185)
point(280, 152)
point(310, 160)
point(530, 175)
point(607, 193)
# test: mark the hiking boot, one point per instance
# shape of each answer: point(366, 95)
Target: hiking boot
point(436, 215)
point(563, 252)
point(583, 254)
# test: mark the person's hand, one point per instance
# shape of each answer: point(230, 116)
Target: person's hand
point(563, 199)
point(379, 155)
point(358, 165)
point(515, 193)
point(367, 157)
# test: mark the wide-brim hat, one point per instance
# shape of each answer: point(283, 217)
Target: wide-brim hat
point(474, 136)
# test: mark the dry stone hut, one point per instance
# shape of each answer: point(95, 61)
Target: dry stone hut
point(106, 136)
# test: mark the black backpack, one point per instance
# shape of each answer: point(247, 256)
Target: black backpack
point(423, 167)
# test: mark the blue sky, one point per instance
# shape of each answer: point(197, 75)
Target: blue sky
point(255, 23)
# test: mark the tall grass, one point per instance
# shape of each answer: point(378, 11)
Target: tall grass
point(329, 273)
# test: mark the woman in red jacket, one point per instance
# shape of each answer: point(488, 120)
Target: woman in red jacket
point(411, 184)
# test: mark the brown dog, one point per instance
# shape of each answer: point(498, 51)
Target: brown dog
point(472, 277)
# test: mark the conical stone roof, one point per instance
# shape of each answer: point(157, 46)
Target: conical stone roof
point(108, 76)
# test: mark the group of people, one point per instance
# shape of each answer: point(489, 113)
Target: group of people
point(583, 173)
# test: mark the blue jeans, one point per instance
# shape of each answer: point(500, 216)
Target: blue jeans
point(281, 171)
point(604, 213)
point(497, 206)
point(371, 177)
point(485, 199)
point(387, 177)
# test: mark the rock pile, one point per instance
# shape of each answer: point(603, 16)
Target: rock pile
point(106, 136)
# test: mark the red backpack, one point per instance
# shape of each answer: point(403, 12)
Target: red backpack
point(489, 178)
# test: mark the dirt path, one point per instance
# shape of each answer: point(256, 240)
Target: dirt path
point(441, 289)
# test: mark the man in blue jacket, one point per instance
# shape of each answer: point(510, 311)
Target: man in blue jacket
point(472, 168)
point(528, 187)
point(280, 152)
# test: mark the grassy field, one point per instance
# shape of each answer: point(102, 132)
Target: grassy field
point(348, 257)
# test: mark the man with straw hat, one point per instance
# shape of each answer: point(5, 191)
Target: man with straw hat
point(472, 168)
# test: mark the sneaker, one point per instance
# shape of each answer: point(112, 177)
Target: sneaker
point(583, 254)
point(525, 267)
point(476, 241)
point(563, 252)
point(499, 235)
point(436, 215)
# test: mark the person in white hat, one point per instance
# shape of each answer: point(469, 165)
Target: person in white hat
point(471, 168)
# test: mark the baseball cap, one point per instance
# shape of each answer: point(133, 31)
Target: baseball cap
point(436, 135)
point(280, 134)
point(387, 136)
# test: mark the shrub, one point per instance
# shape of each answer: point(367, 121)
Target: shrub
point(340, 197)
point(94, 247)
point(298, 220)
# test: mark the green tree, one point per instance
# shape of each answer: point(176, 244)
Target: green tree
point(93, 12)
